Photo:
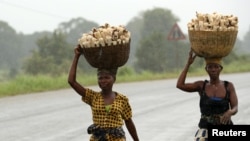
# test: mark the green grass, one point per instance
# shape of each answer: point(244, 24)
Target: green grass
point(25, 84)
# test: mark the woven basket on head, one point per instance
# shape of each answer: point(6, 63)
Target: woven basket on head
point(213, 60)
point(112, 56)
point(212, 44)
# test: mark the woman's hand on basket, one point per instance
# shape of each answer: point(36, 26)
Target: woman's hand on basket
point(191, 57)
point(77, 50)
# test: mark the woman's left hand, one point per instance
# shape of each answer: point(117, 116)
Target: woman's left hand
point(226, 117)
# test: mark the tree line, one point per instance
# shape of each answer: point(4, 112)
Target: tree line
point(51, 52)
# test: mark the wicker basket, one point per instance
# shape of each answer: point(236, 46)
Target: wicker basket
point(212, 44)
point(112, 56)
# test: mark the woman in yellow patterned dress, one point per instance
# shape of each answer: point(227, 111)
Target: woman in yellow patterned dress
point(110, 109)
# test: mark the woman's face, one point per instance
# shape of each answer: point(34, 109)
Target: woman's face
point(105, 80)
point(213, 69)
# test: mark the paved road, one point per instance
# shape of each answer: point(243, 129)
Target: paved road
point(161, 112)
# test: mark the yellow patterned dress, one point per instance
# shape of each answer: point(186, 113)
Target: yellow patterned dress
point(108, 118)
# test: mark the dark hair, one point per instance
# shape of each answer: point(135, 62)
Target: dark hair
point(111, 71)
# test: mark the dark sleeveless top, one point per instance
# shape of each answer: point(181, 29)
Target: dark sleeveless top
point(212, 108)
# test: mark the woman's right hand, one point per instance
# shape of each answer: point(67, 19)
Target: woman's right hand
point(78, 50)
point(191, 57)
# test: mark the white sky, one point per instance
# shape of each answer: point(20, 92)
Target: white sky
point(28, 16)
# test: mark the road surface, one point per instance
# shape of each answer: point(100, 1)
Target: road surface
point(160, 112)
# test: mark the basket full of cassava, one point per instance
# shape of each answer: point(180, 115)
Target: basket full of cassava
point(213, 35)
point(106, 46)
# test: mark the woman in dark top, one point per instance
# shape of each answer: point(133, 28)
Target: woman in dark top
point(218, 99)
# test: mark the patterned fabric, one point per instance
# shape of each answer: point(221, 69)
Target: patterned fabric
point(100, 134)
point(212, 119)
point(201, 135)
point(120, 110)
point(109, 138)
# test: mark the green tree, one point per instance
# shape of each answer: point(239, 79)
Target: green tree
point(75, 28)
point(10, 48)
point(51, 55)
point(245, 48)
point(134, 26)
point(151, 53)
point(154, 52)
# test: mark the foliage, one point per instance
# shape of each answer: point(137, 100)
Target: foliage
point(245, 48)
point(51, 53)
point(158, 20)
point(134, 26)
point(24, 84)
point(28, 84)
point(10, 50)
point(51, 56)
point(154, 52)
point(75, 28)
point(151, 54)
point(125, 71)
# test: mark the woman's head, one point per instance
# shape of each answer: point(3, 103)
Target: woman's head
point(106, 78)
point(213, 67)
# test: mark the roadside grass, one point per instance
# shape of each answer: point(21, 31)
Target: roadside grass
point(25, 84)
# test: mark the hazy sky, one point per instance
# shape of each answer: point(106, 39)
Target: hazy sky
point(28, 16)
